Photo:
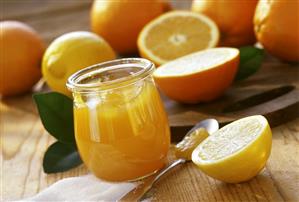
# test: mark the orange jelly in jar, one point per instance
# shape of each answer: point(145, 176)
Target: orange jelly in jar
point(121, 127)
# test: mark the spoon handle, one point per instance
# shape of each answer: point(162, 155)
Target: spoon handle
point(167, 168)
point(142, 188)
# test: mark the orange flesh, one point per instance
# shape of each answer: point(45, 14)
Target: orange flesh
point(177, 34)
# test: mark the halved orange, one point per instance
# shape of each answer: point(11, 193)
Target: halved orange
point(175, 34)
point(199, 77)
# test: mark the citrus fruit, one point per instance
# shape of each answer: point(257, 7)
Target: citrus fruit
point(21, 54)
point(70, 53)
point(198, 77)
point(185, 147)
point(234, 19)
point(119, 22)
point(269, 19)
point(175, 34)
point(237, 152)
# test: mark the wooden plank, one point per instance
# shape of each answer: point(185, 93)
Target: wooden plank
point(25, 148)
point(49, 18)
point(30, 9)
point(284, 162)
point(23, 143)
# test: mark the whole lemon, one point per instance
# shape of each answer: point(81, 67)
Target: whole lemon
point(276, 25)
point(119, 22)
point(234, 19)
point(70, 53)
point(21, 54)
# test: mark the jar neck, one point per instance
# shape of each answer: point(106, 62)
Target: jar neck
point(110, 75)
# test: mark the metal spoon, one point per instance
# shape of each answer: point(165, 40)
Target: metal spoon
point(211, 125)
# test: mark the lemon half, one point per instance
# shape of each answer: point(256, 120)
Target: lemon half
point(236, 152)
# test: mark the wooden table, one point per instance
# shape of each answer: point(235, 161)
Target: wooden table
point(24, 140)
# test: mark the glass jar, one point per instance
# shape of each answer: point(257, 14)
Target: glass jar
point(121, 127)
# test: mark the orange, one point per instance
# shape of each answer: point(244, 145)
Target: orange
point(199, 77)
point(234, 19)
point(21, 53)
point(276, 25)
point(175, 34)
point(119, 22)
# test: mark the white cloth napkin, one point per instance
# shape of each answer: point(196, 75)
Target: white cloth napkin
point(84, 188)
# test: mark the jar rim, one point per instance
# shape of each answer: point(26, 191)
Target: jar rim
point(74, 85)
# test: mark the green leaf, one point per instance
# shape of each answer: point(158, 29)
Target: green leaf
point(61, 157)
point(56, 113)
point(250, 61)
